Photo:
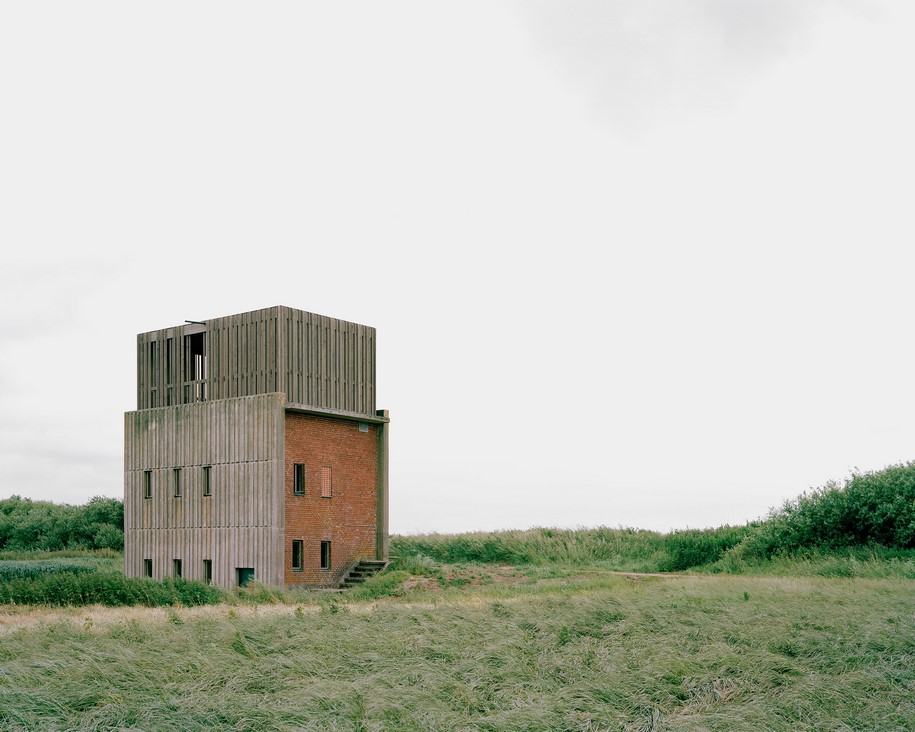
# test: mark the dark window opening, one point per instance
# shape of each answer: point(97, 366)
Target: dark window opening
point(147, 567)
point(153, 399)
point(244, 575)
point(207, 487)
point(147, 484)
point(298, 483)
point(208, 571)
point(153, 363)
point(363, 427)
point(195, 367)
point(297, 556)
point(169, 367)
point(326, 482)
point(325, 555)
point(177, 482)
point(176, 567)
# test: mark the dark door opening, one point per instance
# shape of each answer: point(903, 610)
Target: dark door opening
point(244, 575)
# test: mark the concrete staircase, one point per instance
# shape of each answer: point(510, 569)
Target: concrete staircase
point(361, 571)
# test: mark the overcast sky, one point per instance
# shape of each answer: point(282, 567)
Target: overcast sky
point(644, 263)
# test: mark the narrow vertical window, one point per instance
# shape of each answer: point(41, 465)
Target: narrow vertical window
point(147, 484)
point(169, 371)
point(325, 555)
point(177, 482)
point(153, 363)
point(153, 382)
point(298, 479)
point(169, 368)
point(147, 567)
point(297, 555)
point(176, 567)
point(208, 571)
point(326, 482)
point(207, 487)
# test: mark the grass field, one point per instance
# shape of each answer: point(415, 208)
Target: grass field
point(523, 650)
point(799, 622)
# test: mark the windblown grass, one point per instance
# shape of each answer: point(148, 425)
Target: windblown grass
point(691, 653)
point(626, 549)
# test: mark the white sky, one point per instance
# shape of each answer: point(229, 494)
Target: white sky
point(644, 263)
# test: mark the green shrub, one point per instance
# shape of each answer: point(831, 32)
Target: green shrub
point(383, 584)
point(875, 508)
point(256, 593)
point(419, 565)
point(695, 547)
point(69, 587)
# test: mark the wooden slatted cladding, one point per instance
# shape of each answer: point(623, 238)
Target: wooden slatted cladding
point(238, 444)
point(316, 361)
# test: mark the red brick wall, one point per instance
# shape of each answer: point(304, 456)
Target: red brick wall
point(347, 518)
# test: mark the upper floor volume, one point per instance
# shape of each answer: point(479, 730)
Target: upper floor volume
point(318, 362)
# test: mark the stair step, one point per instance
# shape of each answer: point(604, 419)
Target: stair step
point(362, 571)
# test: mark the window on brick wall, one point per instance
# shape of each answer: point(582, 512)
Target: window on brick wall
point(176, 481)
point(297, 556)
point(147, 567)
point(147, 484)
point(326, 482)
point(325, 555)
point(207, 487)
point(298, 479)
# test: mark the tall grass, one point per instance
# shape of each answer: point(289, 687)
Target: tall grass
point(697, 653)
point(872, 514)
point(89, 587)
point(626, 548)
point(623, 549)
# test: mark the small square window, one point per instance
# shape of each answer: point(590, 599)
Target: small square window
point(176, 567)
point(147, 567)
point(325, 555)
point(297, 555)
point(147, 484)
point(207, 488)
point(363, 427)
point(298, 480)
point(326, 482)
point(177, 482)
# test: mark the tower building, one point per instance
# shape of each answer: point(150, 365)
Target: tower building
point(256, 451)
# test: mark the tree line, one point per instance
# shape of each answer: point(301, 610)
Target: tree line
point(27, 525)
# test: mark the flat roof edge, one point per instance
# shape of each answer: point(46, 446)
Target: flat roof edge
point(336, 413)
